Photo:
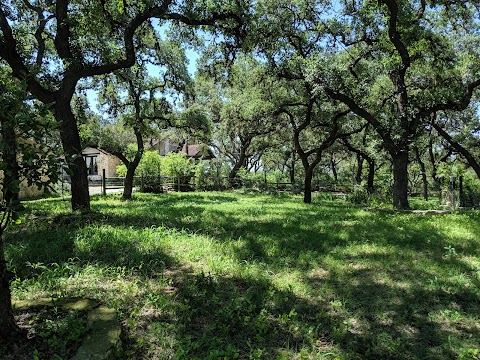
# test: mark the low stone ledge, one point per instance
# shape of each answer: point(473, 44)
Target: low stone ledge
point(78, 304)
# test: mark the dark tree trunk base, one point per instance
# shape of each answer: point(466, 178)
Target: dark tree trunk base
point(371, 177)
point(8, 328)
point(400, 181)
point(307, 197)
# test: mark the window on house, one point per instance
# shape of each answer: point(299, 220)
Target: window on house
point(92, 166)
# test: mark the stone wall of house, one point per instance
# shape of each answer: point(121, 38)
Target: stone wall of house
point(105, 161)
point(109, 163)
point(26, 192)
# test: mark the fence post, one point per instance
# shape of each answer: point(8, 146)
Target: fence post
point(104, 183)
point(178, 181)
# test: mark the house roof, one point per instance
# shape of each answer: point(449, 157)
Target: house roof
point(198, 151)
point(89, 149)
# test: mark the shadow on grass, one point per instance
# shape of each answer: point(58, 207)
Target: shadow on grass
point(61, 241)
point(234, 317)
point(377, 285)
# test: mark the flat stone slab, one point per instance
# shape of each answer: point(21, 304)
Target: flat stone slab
point(68, 303)
point(103, 340)
point(420, 212)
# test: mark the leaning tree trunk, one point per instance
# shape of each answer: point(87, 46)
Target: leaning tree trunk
point(238, 165)
point(128, 182)
point(474, 164)
point(400, 180)
point(73, 150)
point(233, 173)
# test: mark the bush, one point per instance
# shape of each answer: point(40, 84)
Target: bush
point(149, 170)
point(211, 176)
point(153, 167)
point(360, 196)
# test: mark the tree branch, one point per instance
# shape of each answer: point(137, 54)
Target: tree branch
point(42, 23)
point(460, 105)
point(458, 147)
point(9, 53)
point(355, 108)
point(62, 38)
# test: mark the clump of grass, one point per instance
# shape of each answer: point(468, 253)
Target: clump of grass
point(251, 276)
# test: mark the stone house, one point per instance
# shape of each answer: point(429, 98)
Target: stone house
point(26, 192)
point(97, 160)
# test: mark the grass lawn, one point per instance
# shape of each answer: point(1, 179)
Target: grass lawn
point(249, 276)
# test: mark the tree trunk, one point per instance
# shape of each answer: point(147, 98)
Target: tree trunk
point(132, 166)
point(358, 176)
point(10, 174)
point(334, 168)
point(128, 182)
point(424, 173)
point(307, 195)
point(73, 151)
point(8, 327)
point(238, 165)
point(292, 169)
point(371, 176)
point(431, 155)
point(400, 180)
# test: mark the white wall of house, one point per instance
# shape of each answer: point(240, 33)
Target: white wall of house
point(97, 160)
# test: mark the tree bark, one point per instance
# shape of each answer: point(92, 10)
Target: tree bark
point(424, 173)
point(8, 327)
point(292, 169)
point(431, 156)
point(400, 180)
point(370, 177)
point(132, 166)
point(73, 150)
point(334, 168)
point(9, 138)
point(307, 195)
point(128, 182)
point(238, 165)
point(358, 175)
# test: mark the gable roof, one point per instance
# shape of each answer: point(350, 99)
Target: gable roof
point(198, 151)
point(94, 151)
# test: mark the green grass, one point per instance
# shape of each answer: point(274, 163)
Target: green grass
point(249, 276)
